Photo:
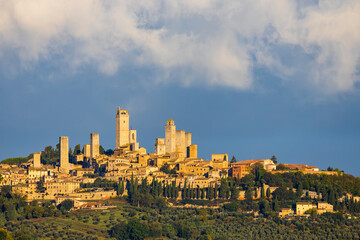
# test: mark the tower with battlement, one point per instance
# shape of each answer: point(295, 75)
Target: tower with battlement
point(122, 128)
point(170, 136)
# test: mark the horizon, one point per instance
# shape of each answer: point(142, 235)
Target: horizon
point(247, 79)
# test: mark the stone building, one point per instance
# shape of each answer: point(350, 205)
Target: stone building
point(124, 135)
point(160, 146)
point(94, 145)
point(36, 160)
point(176, 141)
point(64, 152)
point(302, 207)
point(87, 151)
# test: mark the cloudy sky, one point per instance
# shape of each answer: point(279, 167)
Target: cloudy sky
point(249, 78)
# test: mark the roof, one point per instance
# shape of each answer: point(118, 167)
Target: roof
point(304, 203)
point(251, 161)
point(298, 166)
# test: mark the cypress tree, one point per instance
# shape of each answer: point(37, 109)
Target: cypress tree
point(268, 193)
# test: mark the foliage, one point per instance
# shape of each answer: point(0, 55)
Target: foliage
point(66, 205)
point(16, 161)
point(109, 152)
point(40, 185)
point(77, 149)
point(166, 169)
point(5, 235)
point(101, 183)
point(232, 207)
point(281, 167)
point(101, 149)
point(274, 159)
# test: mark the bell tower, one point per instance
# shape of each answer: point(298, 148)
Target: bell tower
point(122, 128)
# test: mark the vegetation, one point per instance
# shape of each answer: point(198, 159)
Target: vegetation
point(131, 222)
point(166, 169)
point(16, 161)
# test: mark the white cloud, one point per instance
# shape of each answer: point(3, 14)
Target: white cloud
point(211, 41)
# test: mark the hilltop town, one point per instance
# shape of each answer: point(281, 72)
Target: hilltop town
point(174, 162)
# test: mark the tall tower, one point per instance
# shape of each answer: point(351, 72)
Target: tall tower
point(170, 136)
point(64, 152)
point(94, 145)
point(36, 161)
point(87, 151)
point(122, 128)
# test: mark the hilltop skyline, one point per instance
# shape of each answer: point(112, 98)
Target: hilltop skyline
point(282, 79)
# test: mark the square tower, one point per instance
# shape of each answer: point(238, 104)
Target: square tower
point(87, 152)
point(180, 142)
point(94, 145)
point(170, 136)
point(36, 160)
point(64, 152)
point(160, 146)
point(122, 128)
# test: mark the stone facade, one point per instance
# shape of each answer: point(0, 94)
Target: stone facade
point(160, 146)
point(170, 136)
point(36, 160)
point(64, 152)
point(219, 157)
point(302, 207)
point(87, 151)
point(176, 141)
point(192, 151)
point(122, 127)
point(94, 145)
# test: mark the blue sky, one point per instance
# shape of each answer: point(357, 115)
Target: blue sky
point(251, 79)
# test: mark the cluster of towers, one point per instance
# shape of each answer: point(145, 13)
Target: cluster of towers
point(176, 141)
point(91, 150)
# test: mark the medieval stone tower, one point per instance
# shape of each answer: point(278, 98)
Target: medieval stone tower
point(64, 152)
point(94, 145)
point(122, 128)
point(170, 136)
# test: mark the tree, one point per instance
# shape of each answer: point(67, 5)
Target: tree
point(70, 152)
point(77, 149)
point(274, 159)
point(262, 193)
point(210, 193)
point(223, 188)
point(109, 152)
point(66, 205)
point(5, 235)
point(235, 193)
point(137, 230)
point(121, 188)
point(264, 207)
point(40, 185)
point(119, 231)
point(101, 150)
point(249, 194)
point(281, 167)
point(268, 193)
point(233, 159)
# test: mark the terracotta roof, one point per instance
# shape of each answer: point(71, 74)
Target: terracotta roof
point(298, 166)
point(251, 161)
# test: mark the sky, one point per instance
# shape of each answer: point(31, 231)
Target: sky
point(248, 78)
